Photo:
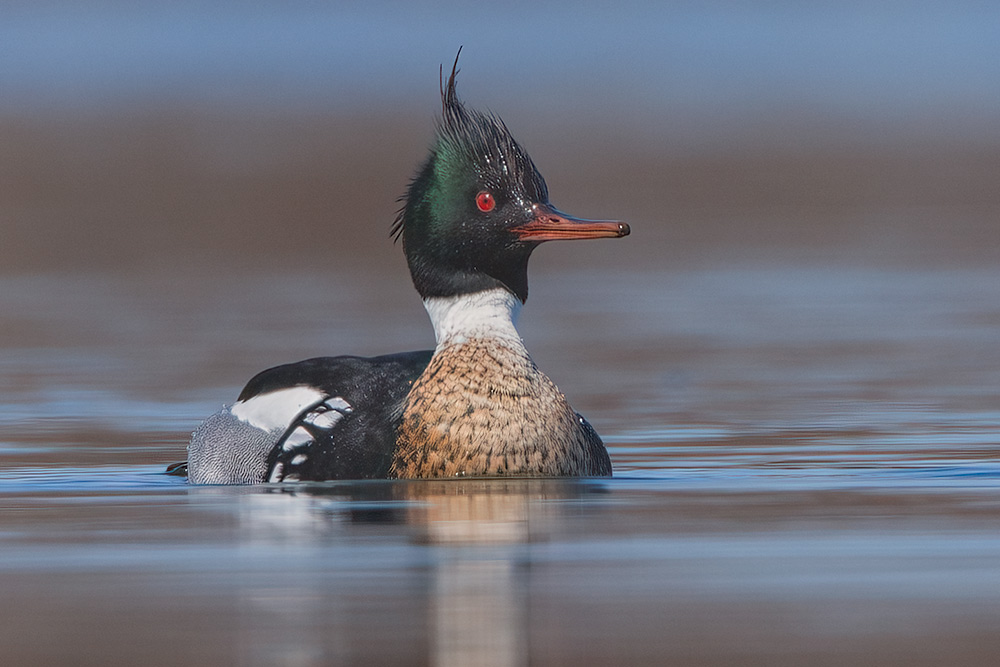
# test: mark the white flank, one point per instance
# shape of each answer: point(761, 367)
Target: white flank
point(337, 403)
point(488, 314)
point(276, 409)
point(277, 473)
point(296, 439)
point(325, 420)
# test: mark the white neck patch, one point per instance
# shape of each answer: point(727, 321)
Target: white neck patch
point(488, 314)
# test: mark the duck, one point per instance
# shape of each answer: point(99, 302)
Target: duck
point(474, 406)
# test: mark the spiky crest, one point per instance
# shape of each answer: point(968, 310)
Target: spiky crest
point(470, 137)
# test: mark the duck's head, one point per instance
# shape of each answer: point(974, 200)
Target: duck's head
point(478, 207)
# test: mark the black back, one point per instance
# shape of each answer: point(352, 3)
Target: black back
point(360, 445)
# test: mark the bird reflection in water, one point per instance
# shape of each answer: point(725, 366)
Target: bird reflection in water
point(479, 606)
point(466, 543)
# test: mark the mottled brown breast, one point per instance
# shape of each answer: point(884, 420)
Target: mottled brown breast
point(482, 408)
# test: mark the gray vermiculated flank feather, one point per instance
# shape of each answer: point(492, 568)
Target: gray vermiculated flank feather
point(227, 450)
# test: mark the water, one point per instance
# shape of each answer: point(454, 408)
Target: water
point(793, 359)
point(904, 63)
point(805, 458)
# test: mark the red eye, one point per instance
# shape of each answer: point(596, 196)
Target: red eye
point(485, 202)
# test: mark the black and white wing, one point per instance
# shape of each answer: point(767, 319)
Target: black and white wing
point(314, 430)
point(349, 430)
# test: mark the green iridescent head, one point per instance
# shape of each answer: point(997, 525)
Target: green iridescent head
point(478, 207)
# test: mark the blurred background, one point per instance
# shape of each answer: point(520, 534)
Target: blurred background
point(211, 134)
point(193, 191)
point(793, 359)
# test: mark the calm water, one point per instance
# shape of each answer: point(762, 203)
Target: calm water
point(806, 473)
point(794, 359)
point(911, 67)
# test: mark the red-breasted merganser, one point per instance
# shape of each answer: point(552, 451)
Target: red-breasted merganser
point(474, 406)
